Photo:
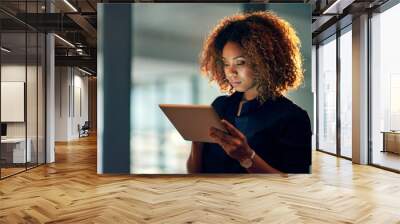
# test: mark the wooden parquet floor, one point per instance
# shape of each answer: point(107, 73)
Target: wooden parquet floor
point(70, 191)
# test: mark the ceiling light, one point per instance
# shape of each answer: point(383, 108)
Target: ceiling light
point(64, 40)
point(70, 5)
point(5, 50)
point(329, 9)
point(84, 71)
point(337, 7)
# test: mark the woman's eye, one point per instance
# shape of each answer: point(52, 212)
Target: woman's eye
point(240, 62)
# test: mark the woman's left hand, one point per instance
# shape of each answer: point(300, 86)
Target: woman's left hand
point(234, 143)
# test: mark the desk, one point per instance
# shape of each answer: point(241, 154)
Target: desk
point(391, 141)
point(13, 150)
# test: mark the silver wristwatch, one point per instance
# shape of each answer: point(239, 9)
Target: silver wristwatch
point(247, 163)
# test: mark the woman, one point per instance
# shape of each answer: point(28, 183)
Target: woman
point(255, 57)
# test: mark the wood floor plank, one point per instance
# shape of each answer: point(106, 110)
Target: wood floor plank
point(70, 191)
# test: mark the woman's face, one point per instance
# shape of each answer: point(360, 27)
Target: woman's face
point(237, 68)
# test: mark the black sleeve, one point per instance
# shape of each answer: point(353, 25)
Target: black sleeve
point(219, 104)
point(295, 144)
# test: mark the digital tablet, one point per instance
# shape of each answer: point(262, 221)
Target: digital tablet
point(193, 122)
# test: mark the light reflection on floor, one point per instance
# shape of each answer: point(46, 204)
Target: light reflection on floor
point(387, 159)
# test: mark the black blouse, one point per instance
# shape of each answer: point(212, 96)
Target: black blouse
point(278, 130)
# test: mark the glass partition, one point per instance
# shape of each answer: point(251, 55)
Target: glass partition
point(22, 91)
point(14, 153)
point(327, 95)
point(345, 93)
point(385, 89)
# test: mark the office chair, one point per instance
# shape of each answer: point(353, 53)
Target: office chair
point(84, 130)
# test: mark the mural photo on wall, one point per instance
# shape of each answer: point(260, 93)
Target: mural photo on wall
point(221, 88)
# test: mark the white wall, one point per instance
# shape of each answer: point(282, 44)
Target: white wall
point(16, 73)
point(80, 105)
point(71, 93)
point(61, 103)
point(11, 73)
point(33, 127)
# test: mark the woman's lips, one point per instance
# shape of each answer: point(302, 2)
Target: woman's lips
point(236, 83)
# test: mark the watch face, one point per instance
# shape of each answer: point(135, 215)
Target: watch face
point(246, 163)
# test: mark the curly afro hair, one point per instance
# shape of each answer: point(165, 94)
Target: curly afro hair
point(269, 42)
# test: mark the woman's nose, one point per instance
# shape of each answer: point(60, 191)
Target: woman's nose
point(230, 70)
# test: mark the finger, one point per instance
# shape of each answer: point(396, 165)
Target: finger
point(216, 140)
point(229, 149)
point(217, 129)
point(234, 131)
point(214, 136)
point(223, 136)
point(226, 147)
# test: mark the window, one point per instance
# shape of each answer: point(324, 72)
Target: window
point(327, 95)
point(385, 88)
point(345, 93)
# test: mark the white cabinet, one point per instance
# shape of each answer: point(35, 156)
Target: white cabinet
point(17, 145)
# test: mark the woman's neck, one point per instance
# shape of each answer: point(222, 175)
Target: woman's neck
point(250, 94)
